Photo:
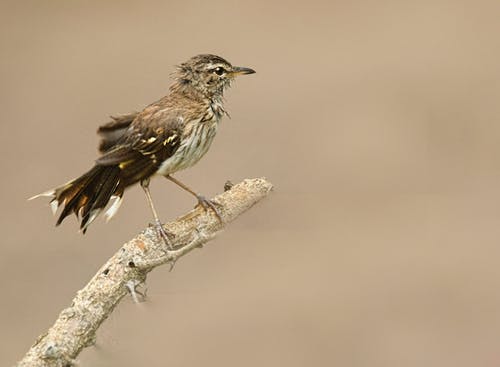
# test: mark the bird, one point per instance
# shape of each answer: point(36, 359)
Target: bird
point(167, 136)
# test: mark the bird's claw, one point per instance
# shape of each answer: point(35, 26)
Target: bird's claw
point(164, 235)
point(209, 204)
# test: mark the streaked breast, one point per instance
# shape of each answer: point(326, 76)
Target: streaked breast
point(194, 145)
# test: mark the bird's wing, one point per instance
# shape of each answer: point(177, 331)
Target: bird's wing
point(143, 148)
point(113, 131)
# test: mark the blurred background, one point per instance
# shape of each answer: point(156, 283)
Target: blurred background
point(377, 122)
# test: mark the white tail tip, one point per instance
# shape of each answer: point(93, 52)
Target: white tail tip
point(110, 213)
point(50, 194)
point(54, 205)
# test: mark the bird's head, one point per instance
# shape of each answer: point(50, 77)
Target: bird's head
point(208, 74)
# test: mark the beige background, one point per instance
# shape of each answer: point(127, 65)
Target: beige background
point(378, 123)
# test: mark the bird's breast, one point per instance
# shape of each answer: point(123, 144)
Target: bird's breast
point(197, 138)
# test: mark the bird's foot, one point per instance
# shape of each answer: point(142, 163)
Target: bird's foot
point(209, 204)
point(164, 235)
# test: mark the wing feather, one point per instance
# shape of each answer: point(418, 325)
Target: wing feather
point(113, 131)
point(143, 148)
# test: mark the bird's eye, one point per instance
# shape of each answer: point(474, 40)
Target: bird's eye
point(218, 70)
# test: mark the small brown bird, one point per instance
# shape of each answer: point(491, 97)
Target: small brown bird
point(169, 135)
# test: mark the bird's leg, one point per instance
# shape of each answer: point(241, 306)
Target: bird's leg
point(203, 201)
point(162, 233)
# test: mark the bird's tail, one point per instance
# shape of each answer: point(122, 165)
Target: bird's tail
point(88, 195)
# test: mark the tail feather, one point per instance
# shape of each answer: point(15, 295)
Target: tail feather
point(99, 197)
point(87, 195)
point(72, 195)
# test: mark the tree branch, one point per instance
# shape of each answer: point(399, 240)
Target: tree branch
point(76, 326)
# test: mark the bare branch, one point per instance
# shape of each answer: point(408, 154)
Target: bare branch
point(76, 325)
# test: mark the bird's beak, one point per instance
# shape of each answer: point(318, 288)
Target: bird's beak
point(238, 70)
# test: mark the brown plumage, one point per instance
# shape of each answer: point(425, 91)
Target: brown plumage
point(114, 130)
point(170, 134)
